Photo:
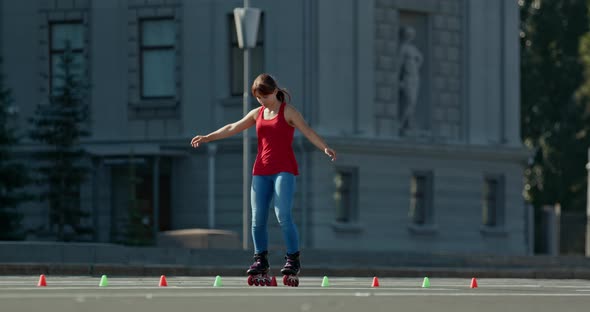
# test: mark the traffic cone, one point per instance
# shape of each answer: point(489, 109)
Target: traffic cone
point(103, 281)
point(473, 283)
point(273, 281)
point(325, 282)
point(375, 282)
point(217, 282)
point(42, 281)
point(163, 282)
point(426, 283)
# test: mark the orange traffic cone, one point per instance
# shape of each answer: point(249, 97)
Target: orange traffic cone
point(273, 281)
point(375, 282)
point(163, 282)
point(473, 283)
point(42, 281)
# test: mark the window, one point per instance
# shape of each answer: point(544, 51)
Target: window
point(237, 57)
point(158, 58)
point(345, 195)
point(154, 34)
point(421, 198)
point(493, 201)
point(64, 35)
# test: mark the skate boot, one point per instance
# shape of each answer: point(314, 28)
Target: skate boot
point(291, 270)
point(258, 271)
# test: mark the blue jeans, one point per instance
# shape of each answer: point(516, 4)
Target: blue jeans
point(281, 188)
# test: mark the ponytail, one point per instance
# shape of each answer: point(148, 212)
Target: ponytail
point(281, 95)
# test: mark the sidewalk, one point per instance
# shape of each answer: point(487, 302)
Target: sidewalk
point(25, 258)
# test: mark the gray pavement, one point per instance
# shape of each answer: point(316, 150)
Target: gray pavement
point(82, 293)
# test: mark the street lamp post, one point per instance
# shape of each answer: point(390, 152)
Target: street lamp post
point(246, 20)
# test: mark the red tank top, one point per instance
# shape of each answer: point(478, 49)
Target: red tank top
point(275, 145)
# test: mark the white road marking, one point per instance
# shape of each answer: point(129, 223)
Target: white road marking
point(84, 296)
point(49, 288)
point(481, 294)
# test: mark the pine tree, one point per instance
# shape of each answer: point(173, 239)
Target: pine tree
point(13, 176)
point(62, 163)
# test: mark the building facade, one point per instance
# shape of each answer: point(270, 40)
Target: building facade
point(419, 98)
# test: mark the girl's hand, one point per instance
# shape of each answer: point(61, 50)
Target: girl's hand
point(330, 152)
point(199, 139)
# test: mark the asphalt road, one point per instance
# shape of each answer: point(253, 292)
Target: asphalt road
point(75, 293)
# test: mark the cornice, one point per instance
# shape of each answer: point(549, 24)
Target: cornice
point(343, 145)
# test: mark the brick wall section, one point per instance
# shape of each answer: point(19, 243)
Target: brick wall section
point(447, 58)
point(446, 21)
point(386, 77)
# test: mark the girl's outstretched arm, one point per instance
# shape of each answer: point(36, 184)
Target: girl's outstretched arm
point(295, 119)
point(228, 130)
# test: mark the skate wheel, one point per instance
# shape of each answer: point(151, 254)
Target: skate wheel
point(291, 280)
point(256, 282)
point(267, 282)
point(250, 280)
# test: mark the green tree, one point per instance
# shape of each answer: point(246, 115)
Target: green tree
point(63, 163)
point(553, 122)
point(583, 94)
point(13, 174)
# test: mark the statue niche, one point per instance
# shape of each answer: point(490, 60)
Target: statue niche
point(410, 61)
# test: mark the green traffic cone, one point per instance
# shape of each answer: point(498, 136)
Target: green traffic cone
point(103, 281)
point(325, 282)
point(217, 282)
point(426, 283)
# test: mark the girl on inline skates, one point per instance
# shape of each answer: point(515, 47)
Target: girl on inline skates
point(273, 175)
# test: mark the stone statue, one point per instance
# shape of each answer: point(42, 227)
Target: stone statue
point(410, 61)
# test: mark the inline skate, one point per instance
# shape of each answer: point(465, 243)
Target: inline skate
point(291, 270)
point(258, 271)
